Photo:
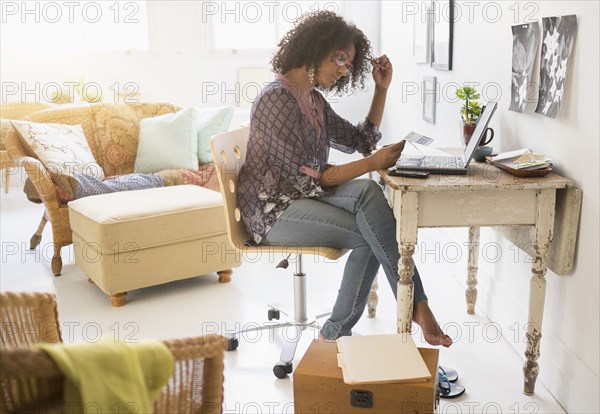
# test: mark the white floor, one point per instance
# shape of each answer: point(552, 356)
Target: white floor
point(489, 369)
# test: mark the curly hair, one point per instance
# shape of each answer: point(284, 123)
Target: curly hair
point(317, 34)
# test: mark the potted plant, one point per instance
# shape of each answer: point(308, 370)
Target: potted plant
point(469, 111)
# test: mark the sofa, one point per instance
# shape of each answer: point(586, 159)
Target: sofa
point(112, 132)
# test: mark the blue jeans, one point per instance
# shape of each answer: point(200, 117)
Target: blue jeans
point(355, 216)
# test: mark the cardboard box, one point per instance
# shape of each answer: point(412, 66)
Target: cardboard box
point(319, 387)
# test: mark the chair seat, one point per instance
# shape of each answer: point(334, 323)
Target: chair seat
point(327, 252)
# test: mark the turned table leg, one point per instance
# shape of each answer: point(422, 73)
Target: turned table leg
point(537, 287)
point(406, 233)
point(471, 292)
point(372, 300)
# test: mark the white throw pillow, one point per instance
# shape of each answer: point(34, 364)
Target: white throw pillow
point(168, 141)
point(63, 149)
point(213, 121)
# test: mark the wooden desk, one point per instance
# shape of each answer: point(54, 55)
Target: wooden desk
point(486, 196)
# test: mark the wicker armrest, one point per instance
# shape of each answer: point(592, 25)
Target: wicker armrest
point(36, 171)
point(40, 178)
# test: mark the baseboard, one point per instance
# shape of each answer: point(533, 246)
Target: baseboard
point(562, 372)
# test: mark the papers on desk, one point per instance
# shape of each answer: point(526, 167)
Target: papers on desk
point(418, 138)
point(418, 149)
point(377, 359)
point(523, 159)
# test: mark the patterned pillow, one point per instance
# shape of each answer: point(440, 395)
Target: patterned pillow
point(62, 149)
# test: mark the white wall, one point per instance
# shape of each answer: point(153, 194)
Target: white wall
point(569, 362)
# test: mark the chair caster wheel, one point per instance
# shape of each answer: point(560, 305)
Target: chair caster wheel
point(232, 344)
point(282, 370)
point(273, 314)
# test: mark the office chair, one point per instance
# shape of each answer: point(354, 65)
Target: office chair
point(229, 154)
point(30, 381)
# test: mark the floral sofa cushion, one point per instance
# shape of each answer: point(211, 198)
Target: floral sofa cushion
point(114, 140)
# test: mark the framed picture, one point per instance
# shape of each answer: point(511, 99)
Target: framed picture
point(422, 35)
point(442, 19)
point(429, 98)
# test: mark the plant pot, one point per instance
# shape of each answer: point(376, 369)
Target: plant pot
point(468, 130)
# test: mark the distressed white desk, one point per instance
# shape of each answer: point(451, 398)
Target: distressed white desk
point(486, 196)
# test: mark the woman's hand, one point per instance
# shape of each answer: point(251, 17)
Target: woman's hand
point(386, 157)
point(382, 71)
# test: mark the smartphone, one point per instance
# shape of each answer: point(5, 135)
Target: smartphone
point(408, 173)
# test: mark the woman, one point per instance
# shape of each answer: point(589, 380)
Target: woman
point(288, 193)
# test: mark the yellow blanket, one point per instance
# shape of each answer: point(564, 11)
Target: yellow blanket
point(112, 377)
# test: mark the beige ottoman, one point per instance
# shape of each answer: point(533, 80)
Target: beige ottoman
point(134, 239)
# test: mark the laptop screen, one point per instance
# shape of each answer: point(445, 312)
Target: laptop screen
point(484, 120)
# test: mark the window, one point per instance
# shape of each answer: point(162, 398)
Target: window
point(255, 26)
point(72, 26)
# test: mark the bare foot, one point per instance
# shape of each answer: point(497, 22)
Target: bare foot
point(432, 332)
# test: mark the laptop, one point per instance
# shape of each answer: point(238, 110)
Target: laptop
point(451, 165)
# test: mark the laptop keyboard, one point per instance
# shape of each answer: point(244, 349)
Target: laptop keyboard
point(442, 162)
point(431, 162)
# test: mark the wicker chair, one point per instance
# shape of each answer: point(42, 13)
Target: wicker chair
point(29, 318)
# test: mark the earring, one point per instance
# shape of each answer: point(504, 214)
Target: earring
point(311, 75)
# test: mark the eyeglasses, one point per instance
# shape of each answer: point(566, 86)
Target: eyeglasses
point(342, 59)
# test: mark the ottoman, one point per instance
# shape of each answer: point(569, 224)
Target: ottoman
point(134, 239)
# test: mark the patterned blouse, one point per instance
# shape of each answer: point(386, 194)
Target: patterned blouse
point(286, 133)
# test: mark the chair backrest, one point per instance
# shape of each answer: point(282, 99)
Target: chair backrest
point(229, 154)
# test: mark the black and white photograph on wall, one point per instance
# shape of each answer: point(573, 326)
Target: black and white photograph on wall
point(557, 44)
point(525, 44)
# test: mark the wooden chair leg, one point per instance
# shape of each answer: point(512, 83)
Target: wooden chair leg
point(120, 299)
point(225, 276)
point(37, 236)
point(56, 263)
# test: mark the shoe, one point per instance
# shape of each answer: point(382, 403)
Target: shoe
point(450, 390)
point(447, 389)
point(451, 374)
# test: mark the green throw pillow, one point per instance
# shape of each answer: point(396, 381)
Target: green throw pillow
point(168, 141)
point(212, 121)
